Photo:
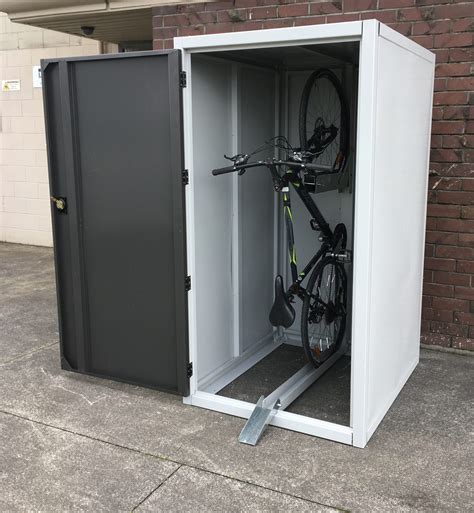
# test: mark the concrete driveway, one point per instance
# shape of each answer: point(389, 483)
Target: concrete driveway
point(70, 442)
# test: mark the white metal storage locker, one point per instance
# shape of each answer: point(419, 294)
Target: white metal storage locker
point(166, 273)
point(228, 105)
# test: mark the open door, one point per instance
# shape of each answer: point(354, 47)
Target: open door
point(114, 131)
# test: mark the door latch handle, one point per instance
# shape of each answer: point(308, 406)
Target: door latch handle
point(60, 204)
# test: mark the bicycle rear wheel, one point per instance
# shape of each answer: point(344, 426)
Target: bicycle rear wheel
point(324, 120)
point(323, 317)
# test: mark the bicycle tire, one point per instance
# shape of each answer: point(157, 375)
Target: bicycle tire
point(315, 357)
point(341, 148)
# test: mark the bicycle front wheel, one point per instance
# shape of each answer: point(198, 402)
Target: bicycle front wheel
point(323, 317)
point(324, 120)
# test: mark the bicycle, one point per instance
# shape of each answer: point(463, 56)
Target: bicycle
point(323, 316)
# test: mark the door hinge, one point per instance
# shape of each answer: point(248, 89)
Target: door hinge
point(187, 283)
point(182, 79)
point(185, 177)
point(189, 369)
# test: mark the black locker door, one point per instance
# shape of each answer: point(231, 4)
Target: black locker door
point(114, 131)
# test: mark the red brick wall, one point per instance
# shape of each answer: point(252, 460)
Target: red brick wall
point(446, 27)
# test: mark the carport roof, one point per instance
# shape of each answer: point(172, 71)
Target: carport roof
point(114, 20)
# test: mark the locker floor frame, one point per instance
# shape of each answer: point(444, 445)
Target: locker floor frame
point(287, 393)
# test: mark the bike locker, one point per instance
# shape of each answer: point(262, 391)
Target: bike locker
point(166, 274)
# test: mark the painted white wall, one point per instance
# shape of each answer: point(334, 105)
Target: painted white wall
point(24, 190)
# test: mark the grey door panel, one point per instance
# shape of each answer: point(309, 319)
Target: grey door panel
point(114, 129)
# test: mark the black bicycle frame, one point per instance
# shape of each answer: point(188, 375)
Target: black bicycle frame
point(318, 222)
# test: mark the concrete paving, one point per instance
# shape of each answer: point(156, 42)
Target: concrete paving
point(203, 491)
point(72, 442)
point(53, 470)
point(28, 313)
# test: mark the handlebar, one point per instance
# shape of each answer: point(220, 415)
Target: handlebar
point(223, 170)
point(240, 167)
point(319, 167)
point(322, 170)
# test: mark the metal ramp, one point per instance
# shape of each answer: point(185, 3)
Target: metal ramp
point(258, 421)
point(267, 407)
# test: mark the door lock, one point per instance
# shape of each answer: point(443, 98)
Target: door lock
point(60, 203)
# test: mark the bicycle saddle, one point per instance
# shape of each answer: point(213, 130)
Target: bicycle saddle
point(282, 312)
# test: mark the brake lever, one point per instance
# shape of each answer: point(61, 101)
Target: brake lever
point(242, 159)
point(239, 160)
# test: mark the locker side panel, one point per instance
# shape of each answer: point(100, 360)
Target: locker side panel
point(212, 215)
point(256, 207)
point(404, 88)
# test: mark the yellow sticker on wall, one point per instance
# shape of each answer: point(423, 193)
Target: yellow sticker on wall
point(11, 85)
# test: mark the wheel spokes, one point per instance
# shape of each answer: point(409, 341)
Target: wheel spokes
point(323, 121)
point(325, 315)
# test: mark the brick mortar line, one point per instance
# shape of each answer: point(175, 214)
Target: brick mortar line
point(164, 458)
